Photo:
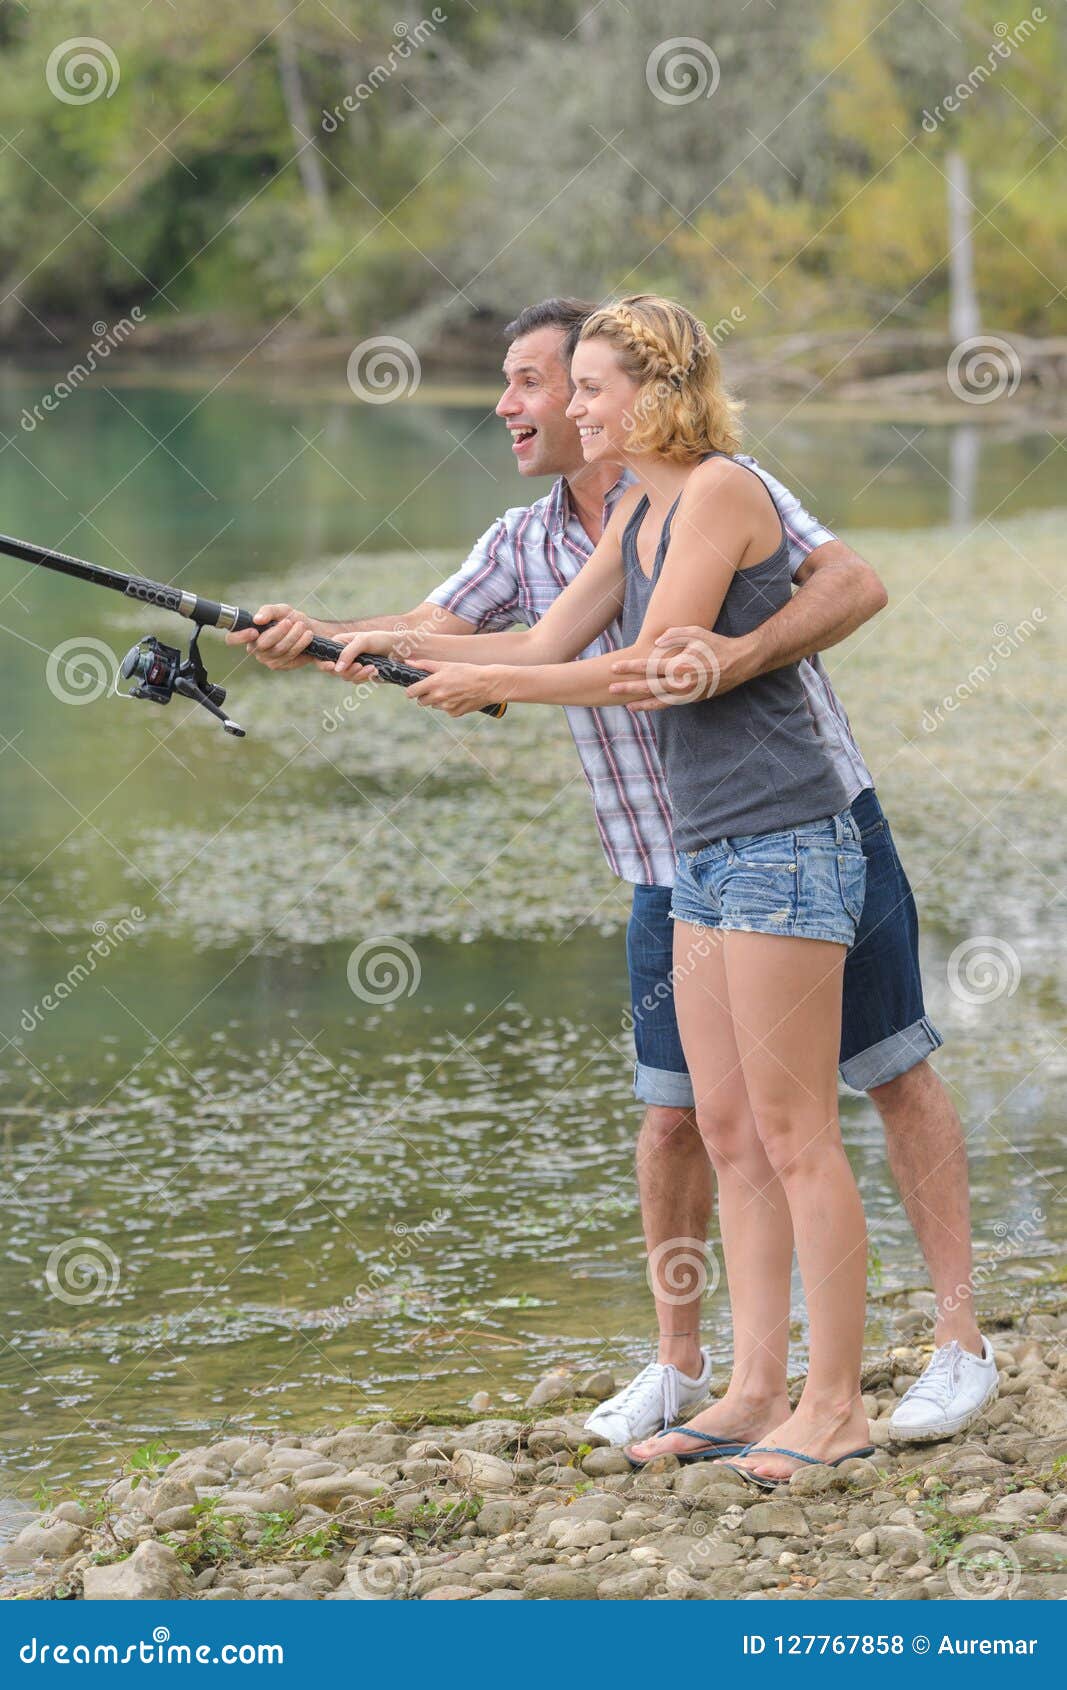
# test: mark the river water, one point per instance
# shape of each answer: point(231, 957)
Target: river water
point(314, 1079)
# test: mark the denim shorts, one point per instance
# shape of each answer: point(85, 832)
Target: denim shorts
point(804, 883)
point(885, 1029)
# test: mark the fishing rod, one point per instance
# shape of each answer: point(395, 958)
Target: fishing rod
point(159, 671)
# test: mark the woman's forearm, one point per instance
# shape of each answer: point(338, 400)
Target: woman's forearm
point(513, 646)
point(587, 680)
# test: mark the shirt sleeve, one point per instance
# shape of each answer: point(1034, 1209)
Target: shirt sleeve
point(485, 589)
point(802, 530)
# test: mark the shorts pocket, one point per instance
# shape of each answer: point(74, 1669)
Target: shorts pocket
point(760, 895)
point(852, 879)
point(776, 851)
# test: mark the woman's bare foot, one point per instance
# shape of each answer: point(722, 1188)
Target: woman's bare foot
point(822, 1436)
point(741, 1419)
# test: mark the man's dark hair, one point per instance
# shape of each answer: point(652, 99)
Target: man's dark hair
point(565, 314)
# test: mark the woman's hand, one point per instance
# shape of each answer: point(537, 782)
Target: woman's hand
point(457, 688)
point(684, 665)
point(375, 642)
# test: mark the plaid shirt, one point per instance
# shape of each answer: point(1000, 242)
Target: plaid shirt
point(515, 571)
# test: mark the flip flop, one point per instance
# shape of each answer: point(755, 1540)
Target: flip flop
point(763, 1483)
point(718, 1447)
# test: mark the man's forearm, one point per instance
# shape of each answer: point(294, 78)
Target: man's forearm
point(835, 600)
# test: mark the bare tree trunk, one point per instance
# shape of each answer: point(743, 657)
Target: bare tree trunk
point(964, 321)
point(308, 161)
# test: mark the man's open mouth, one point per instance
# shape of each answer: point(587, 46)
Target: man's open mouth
point(521, 433)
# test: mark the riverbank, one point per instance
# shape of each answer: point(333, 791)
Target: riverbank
point(891, 374)
point(523, 1509)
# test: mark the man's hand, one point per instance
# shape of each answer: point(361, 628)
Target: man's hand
point(684, 665)
point(281, 646)
point(456, 688)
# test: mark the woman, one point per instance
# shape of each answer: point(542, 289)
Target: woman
point(770, 872)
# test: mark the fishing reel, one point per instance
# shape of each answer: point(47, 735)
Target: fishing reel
point(160, 671)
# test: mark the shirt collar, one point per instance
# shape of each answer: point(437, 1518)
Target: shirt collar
point(560, 511)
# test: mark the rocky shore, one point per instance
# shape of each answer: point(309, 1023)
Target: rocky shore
point(513, 1510)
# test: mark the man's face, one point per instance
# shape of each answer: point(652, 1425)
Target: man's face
point(534, 405)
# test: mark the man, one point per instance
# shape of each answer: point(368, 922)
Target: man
point(513, 574)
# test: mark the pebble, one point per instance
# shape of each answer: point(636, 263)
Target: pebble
point(560, 1521)
point(549, 1389)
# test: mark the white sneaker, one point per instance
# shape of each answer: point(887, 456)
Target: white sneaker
point(649, 1403)
point(952, 1392)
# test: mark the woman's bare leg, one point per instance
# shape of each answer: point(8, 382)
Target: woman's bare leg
point(785, 997)
point(753, 1216)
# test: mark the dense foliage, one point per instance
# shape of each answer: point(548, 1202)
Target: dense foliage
point(487, 155)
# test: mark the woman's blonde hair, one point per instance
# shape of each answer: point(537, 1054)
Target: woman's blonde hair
point(683, 408)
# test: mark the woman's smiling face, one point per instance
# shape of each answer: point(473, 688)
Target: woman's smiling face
point(603, 402)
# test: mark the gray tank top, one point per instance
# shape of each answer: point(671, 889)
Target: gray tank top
point(752, 760)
